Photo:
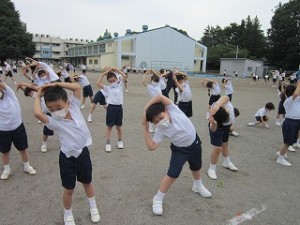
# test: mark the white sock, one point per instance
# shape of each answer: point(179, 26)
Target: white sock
point(212, 166)
point(281, 156)
point(26, 165)
point(198, 182)
point(68, 212)
point(298, 141)
point(227, 160)
point(44, 143)
point(90, 115)
point(6, 167)
point(92, 202)
point(159, 195)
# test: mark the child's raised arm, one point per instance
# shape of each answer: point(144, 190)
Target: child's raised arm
point(2, 86)
point(38, 113)
point(297, 91)
point(23, 86)
point(159, 98)
point(99, 81)
point(74, 87)
point(177, 83)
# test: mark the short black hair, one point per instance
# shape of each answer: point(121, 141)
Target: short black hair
point(290, 89)
point(270, 106)
point(180, 77)
point(209, 84)
point(154, 110)
point(56, 93)
point(155, 78)
point(27, 91)
point(236, 112)
point(40, 72)
point(221, 116)
point(110, 75)
point(162, 71)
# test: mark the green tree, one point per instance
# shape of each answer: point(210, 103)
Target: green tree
point(284, 36)
point(15, 42)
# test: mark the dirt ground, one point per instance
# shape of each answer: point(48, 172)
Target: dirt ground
point(126, 180)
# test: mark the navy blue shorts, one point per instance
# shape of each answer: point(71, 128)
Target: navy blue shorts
point(83, 71)
point(18, 137)
point(186, 107)
point(220, 136)
point(99, 98)
point(213, 98)
point(67, 80)
point(114, 115)
point(258, 118)
point(8, 74)
point(281, 109)
point(165, 92)
point(230, 97)
point(47, 131)
point(290, 129)
point(180, 155)
point(87, 91)
point(72, 169)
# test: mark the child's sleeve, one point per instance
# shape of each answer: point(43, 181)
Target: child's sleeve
point(74, 101)
point(158, 137)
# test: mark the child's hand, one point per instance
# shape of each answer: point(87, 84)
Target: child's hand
point(145, 124)
point(19, 86)
point(40, 92)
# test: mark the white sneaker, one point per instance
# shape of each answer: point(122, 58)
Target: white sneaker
point(89, 119)
point(212, 174)
point(201, 190)
point(291, 149)
point(277, 123)
point(82, 107)
point(296, 145)
point(69, 220)
point(267, 126)
point(157, 207)
point(126, 91)
point(151, 130)
point(95, 217)
point(108, 148)
point(5, 174)
point(283, 162)
point(120, 145)
point(30, 170)
point(44, 148)
point(233, 133)
point(285, 155)
point(251, 124)
point(229, 166)
point(39, 122)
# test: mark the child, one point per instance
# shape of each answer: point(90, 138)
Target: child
point(281, 110)
point(222, 116)
point(171, 122)
point(100, 97)
point(63, 73)
point(228, 87)
point(74, 137)
point(291, 124)
point(214, 90)
point(261, 115)
point(114, 113)
point(153, 89)
point(125, 71)
point(8, 73)
point(162, 83)
point(87, 90)
point(184, 93)
point(171, 84)
point(12, 130)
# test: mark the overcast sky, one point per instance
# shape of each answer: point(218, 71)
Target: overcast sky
point(88, 19)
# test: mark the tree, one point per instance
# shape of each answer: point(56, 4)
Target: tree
point(284, 36)
point(15, 41)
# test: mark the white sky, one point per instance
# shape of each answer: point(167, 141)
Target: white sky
point(88, 19)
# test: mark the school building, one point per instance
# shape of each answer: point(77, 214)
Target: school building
point(158, 48)
point(242, 65)
point(53, 49)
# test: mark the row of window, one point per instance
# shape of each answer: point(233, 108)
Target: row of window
point(96, 49)
point(95, 62)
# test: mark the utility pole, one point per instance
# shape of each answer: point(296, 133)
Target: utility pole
point(237, 51)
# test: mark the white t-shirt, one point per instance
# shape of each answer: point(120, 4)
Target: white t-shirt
point(7, 68)
point(162, 83)
point(65, 74)
point(292, 108)
point(230, 109)
point(115, 94)
point(10, 111)
point(39, 82)
point(181, 131)
point(52, 75)
point(261, 112)
point(83, 67)
point(186, 95)
point(229, 88)
point(216, 90)
point(83, 81)
point(154, 89)
point(74, 134)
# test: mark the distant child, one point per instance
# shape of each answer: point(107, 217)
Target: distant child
point(214, 90)
point(14, 69)
point(87, 90)
point(228, 87)
point(63, 73)
point(281, 111)
point(222, 116)
point(184, 93)
point(8, 73)
point(74, 136)
point(12, 130)
point(171, 85)
point(173, 124)
point(162, 83)
point(291, 124)
point(125, 70)
point(261, 115)
point(99, 97)
point(153, 89)
point(114, 112)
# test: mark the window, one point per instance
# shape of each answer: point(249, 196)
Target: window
point(102, 48)
point(95, 61)
point(90, 61)
point(125, 57)
point(90, 50)
point(249, 68)
point(95, 49)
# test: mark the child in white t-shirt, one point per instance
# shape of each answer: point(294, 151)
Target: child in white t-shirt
point(74, 137)
point(261, 115)
point(114, 112)
point(87, 90)
point(12, 130)
point(173, 124)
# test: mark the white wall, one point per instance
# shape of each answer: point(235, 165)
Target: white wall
point(165, 48)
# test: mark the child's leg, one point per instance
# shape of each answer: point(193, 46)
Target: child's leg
point(198, 185)
point(92, 108)
point(83, 100)
point(119, 133)
point(282, 153)
point(67, 198)
point(91, 98)
point(108, 134)
point(213, 161)
point(25, 158)
point(227, 163)
point(5, 158)
point(166, 183)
